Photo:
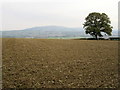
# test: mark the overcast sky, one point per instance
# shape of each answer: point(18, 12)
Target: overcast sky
point(21, 14)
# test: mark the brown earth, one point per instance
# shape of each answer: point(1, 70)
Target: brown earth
point(54, 63)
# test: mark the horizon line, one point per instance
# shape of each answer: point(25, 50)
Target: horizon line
point(41, 26)
point(47, 26)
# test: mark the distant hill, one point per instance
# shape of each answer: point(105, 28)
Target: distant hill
point(46, 32)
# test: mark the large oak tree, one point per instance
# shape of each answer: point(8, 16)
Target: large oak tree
point(97, 23)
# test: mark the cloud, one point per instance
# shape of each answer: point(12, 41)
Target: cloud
point(71, 13)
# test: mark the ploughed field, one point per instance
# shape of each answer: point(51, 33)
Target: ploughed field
point(57, 63)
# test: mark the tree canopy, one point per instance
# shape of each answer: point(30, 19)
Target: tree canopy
point(97, 23)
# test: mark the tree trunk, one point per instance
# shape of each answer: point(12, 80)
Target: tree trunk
point(96, 37)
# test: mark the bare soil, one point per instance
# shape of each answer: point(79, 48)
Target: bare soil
point(56, 63)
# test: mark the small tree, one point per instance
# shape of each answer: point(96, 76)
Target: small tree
point(97, 23)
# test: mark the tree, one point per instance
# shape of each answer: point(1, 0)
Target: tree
point(97, 23)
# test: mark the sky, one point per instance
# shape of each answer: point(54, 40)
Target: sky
point(21, 14)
